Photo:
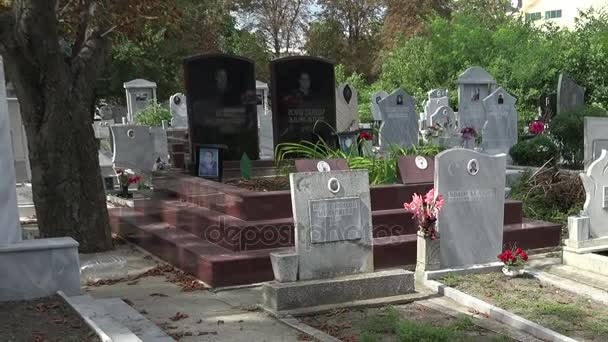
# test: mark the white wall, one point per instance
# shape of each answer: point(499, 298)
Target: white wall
point(569, 9)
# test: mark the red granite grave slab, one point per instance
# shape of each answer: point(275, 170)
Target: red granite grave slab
point(415, 169)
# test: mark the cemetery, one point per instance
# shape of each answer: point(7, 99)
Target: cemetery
point(302, 203)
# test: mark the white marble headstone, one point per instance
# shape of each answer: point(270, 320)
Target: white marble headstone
point(399, 120)
point(10, 229)
point(332, 217)
point(474, 85)
point(471, 222)
point(376, 98)
point(445, 117)
point(140, 93)
point(436, 98)
point(595, 181)
point(138, 147)
point(596, 138)
point(347, 108)
point(179, 111)
point(500, 129)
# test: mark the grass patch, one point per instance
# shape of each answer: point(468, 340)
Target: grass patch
point(378, 326)
point(567, 313)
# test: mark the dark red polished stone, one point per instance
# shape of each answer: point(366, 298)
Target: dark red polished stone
point(409, 172)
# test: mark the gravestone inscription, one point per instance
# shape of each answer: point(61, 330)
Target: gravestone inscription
point(471, 222)
point(303, 99)
point(332, 216)
point(399, 120)
point(500, 130)
point(222, 104)
point(474, 85)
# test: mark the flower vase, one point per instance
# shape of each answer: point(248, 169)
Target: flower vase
point(428, 257)
point(513, 271)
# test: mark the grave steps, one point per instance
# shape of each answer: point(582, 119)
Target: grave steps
point(117, 320)
point(219, 266)
point(239, 235)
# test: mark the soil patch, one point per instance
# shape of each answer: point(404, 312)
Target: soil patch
point(570, 314)
point(47, 319)
point(403, 323)
point(262, 184)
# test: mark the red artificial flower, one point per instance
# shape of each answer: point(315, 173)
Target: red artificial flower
point(365, 136)
point(519, 251)
point(524, 256)
point(536, 127)
point(134, 179)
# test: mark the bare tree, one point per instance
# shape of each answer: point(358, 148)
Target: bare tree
point(282, 23)
point(54, 69)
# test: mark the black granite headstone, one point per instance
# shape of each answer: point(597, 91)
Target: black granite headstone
point(304, 99)
point(548, 107)
point(222, 103)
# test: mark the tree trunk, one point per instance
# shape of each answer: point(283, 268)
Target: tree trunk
point(55, 87)
point(66, 177)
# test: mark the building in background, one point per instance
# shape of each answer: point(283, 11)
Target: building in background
point(561, 12)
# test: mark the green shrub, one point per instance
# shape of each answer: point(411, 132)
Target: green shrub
point(153, 115)
point(535, 152)
point(568, 130)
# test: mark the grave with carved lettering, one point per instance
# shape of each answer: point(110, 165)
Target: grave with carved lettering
point(399, 120)
point(500, 129)
point(222, 104)
point(347, 108)
point(474, 85)
point(334, 246)
point(303, 99)
point(471, 222)
point(140, 93)
point(570, 95)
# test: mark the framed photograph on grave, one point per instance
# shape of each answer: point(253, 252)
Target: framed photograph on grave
point(209, 161)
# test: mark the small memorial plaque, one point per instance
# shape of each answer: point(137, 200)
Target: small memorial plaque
point(421, 163)
point(335, 220)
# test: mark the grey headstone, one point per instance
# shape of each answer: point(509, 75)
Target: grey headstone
point(376, 98)
point(105, 111)
point(179, 111)
point(138, 147)
point(265, 128)
point(140, 93)
point(474, 85)
point(347, 108)
point(596, 138)
point(595, 181)
point(102, 128)
point(445, 117)
point(399, 120)
point(10, 229)
point(333, 228)
point(570, 95)
point(471, 222)
point(500, 130)
point(436, 98)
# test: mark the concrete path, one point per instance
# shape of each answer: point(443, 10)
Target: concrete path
point(194, 316)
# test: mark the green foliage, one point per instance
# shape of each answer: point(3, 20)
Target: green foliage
point(535, 152)
point(382, 169)
point(568, 129)
point(410, 331)
point(153, 115)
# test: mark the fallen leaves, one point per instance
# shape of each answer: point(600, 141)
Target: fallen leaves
point(178, 316)
point(158, 295)
point(187, 282)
